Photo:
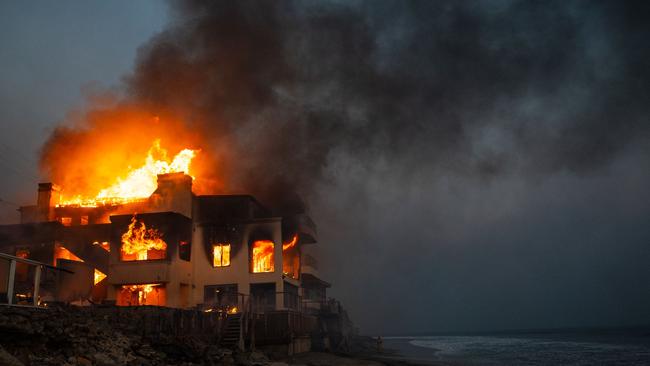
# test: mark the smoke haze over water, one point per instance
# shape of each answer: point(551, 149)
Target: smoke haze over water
point(470, 165)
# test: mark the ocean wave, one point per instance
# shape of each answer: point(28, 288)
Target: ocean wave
point(534, 350)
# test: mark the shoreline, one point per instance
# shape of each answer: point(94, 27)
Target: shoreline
point(363, 352)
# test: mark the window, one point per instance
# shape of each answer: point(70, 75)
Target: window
point(84, 220)
point(291, 299)
point(291, 258)
point(262, 258)
point(220, 255)
point(66, 221)
point(184, 250)
point(140, 243)
point(135, 295)
point(221, 297)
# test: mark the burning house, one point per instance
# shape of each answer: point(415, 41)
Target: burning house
point(174, 248)
point(150, 240)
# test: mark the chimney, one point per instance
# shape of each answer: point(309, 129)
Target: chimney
point(174, 193)
point(49, 195)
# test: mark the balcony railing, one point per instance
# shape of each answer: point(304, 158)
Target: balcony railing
point(24, 284)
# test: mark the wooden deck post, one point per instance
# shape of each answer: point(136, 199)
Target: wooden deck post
point(37, 284)
point(10, 283)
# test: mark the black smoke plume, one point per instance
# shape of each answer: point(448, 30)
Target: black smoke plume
point(474, 87)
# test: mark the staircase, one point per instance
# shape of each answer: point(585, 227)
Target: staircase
point(232, 332)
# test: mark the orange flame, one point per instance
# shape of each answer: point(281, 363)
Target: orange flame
point(61, 252)
point(99, 276)
point(262, 256)
point(104, 245)
point(139, 183)
point(291, 244)
point(291, 258)
point(138, 241)
point(141, 290)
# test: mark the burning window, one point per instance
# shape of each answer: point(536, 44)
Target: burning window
point(148, 294)
point(291, 258)
point(84, 220)
point(141, 244)
point(262, 258)
point(221, 255)
point(66, 221)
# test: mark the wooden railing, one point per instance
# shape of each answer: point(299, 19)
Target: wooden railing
point(263, 323)
point(38, 271)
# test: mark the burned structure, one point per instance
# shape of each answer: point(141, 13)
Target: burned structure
point(223, 253)
point(172, 249)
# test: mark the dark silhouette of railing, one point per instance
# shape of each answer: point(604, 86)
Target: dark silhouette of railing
point(34, 294)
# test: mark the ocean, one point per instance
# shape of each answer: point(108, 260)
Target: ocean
point(569, 347)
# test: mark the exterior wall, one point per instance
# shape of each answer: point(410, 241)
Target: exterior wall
point(238, 272)
point(174, 194)
point(185, 281)
point(174, 272)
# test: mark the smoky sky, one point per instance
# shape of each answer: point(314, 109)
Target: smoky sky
point(470, 165)
point(477, 89)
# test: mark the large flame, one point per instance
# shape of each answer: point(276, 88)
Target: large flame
point(138, 242)
point(140, 182)
point(262, 256)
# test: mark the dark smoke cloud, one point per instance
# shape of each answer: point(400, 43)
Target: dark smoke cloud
point(477, 88)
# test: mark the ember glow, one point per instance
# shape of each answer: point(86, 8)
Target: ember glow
point(140, 182)
point(262, 256)
point(140, 243)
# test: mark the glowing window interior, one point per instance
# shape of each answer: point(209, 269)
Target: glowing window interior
point(262, 258)
point(221, 255)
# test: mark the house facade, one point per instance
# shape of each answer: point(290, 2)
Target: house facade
point(174, 249)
